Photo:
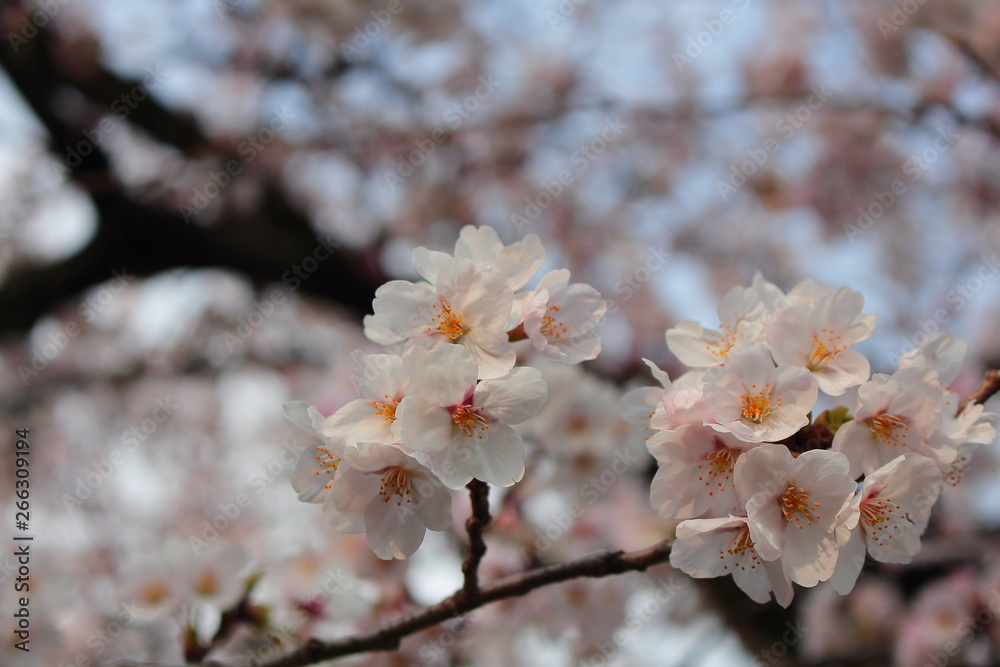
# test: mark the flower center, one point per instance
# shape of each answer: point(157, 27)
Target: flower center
point(396, 485)
point(386, 408)
point(825, 347)
point(154, 592)
point(718, 466)
point(719, 343)
point(796, 507)
point(470, 419)
point(740, 550)
point(206, 584)
point(889, 429)
point(878, 515)
point(311, 608)
point(757, 405)
point(446, 322)
point(956, 470)
point(551, 327)
point(328, 463)
point(579, 424)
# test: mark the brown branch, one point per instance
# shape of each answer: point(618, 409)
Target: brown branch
point(989, 386)
point(145, 237)
point(981, 64)
point(479, 493)
point(241, 612)
point(389, 636)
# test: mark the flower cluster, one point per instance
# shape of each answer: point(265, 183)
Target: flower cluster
point(769, 494)
point(438, 409)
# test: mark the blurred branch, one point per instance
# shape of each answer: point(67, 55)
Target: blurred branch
point(980, 63)
point(140, 238)
point(241, 612)
point(479, 496)
point(389, 636)
point(989, 386)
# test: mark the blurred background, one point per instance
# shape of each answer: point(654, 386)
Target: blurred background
point(199, 198)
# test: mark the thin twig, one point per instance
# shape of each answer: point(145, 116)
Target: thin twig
point(989, 386)
point(479, 496)
point(388, 637)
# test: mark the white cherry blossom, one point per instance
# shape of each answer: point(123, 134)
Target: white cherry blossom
point(733, 545)
point(388, 495)
point(518, 262)
point(887, 516)
point(464, 305)
point(941, 352)
point(383, 380)
point(818, 337)
point(696, 472)
point(461, 429)
point(895, 414)
point(638, 405)
point(560, 318)
point(700, 347)
point(796, 501)
point(756, 401)
point(965, 432)
point(317, 464)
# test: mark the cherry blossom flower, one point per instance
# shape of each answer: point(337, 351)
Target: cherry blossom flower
point(700, 347)
point(464, 305)
point(796, 501)
point(965, 432)
point(696, 474)
point(579, 417)
point(318, 462)
point(941, 352)
point(388, 495)
point(461, 429)
point(211, 576)
point(676, 404)
point(940, 621)
point(638, 405)
point(818, 337)
point(482, 246)
point(887, 516)
point(383, 380)
point(756, 401)
point(707, 548)
point(560, 318)
point(895, 414)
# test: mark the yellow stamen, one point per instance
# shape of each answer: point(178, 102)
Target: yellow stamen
point(796, 507)
point(396, 484)
point(470, 419)
point(446, 322)
point(757, 405)
point(889, 429)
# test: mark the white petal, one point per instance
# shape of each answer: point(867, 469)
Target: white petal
point(392, 533)
point(638, 405)
point(850, 560)
point(450, 376)
point(347, 499)
point(434, 505)
point(423, 425)
point(429, 262)
point(313, 473)
point(848, 369)
point(695, 345)
point(513, 398)
point(305, 417)
point(402, 311)
point(358, 421)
